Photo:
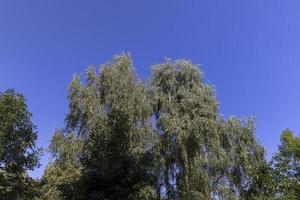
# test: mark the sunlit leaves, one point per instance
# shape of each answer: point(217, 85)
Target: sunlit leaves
point(18, 152)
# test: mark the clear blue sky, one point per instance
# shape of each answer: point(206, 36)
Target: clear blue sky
point(250, 52)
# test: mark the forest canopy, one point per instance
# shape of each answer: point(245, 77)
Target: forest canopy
point(127, 139)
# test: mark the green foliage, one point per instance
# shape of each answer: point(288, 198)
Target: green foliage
point(61, 177)
point(287, 166)
point(111, 115)
point(125, 140)
point(244, 170)
point(186, 118)
point(17, 148)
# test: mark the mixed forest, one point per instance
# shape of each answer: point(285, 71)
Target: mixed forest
point(129, 139)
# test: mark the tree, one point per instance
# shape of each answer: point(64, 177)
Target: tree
point(186, 114)
point(110, 113)
point(167, 140)
point(287, 166)
point(61, 179)
point(18, 152)
point(244, 172)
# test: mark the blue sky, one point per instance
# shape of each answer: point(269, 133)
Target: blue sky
point(249, 50)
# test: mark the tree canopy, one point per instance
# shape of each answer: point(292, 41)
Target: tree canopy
point(128, 139)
